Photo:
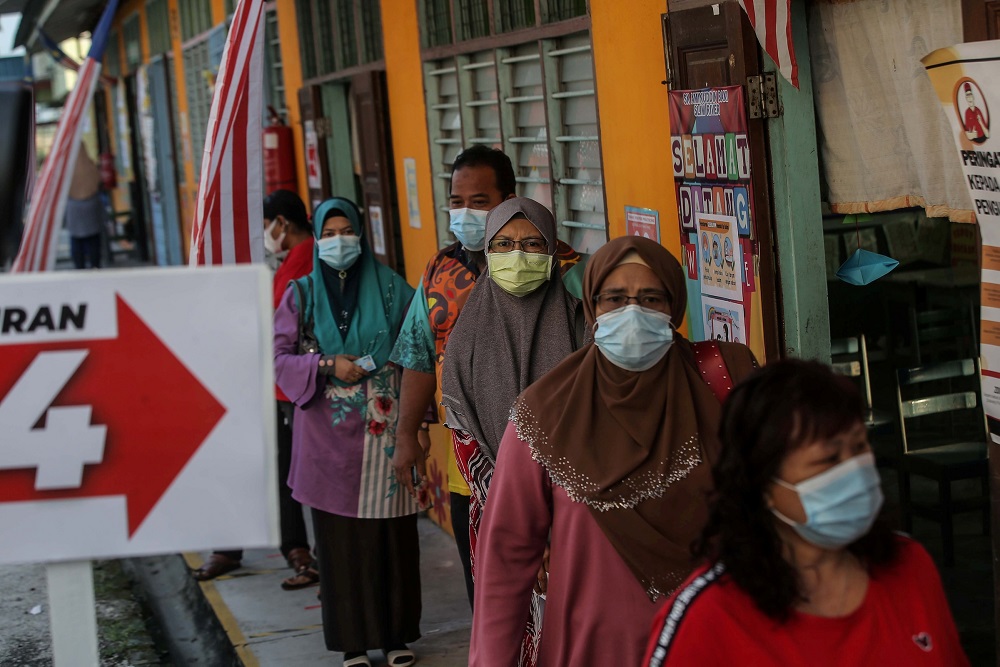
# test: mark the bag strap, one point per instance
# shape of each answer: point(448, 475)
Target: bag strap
point(305, 325)
point(712, 366)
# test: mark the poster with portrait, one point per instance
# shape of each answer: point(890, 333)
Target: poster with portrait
point(719, 256)
point(723, 320)
point(966, 78)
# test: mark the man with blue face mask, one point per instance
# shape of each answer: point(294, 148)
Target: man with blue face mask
point(481, 178)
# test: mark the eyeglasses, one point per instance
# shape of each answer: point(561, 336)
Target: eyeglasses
point(651, 300)
point(534, 245)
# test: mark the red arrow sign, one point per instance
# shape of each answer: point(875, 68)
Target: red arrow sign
point(156, 412)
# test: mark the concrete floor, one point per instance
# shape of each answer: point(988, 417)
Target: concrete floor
point(270, 626)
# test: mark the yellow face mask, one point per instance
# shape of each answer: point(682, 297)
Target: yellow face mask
point(519, 273)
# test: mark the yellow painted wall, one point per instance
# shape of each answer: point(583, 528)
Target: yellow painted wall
point(408, 117)
point(188, 187)
point(291, 64)
point(634, 114)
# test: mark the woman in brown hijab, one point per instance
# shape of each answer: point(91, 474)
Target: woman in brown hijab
point(610, 453)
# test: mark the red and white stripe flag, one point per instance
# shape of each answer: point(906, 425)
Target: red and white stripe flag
point(229, 225)
point(48, 199)
point(772, 21)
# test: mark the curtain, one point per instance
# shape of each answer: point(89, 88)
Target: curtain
point(885, 142)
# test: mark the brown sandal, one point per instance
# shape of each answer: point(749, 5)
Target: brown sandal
point(215, 566)
point(305, 575)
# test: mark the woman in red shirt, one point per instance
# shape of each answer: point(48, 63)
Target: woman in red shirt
point(803, 571)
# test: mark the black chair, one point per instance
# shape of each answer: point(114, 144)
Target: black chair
point(849, 357)
point(944, 438)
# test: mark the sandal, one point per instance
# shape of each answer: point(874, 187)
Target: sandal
point(305, 575)
point(403, 657)
point(215, 566)
point(359, 660)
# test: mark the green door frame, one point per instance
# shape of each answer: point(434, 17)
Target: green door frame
point(798, 217)
point(340, 156)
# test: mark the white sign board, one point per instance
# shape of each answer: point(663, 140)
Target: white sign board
point(137, 412)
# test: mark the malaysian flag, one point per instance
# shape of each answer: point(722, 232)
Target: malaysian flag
point(772, 21)
point(48, 200)
point(63, 59)
point(229, 225)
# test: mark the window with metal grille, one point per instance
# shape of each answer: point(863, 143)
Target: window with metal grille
point(273, 68)
point(371, 29)
point(324, 28)
point(472, 18)
point(536, 101)
point(307, 45)
point(436, 22)
point(201, 66)
point(158, 26)
point(196, 18)
point(133, 45)
point(112, 56)
point(513, 14)
point(347, 36)
point(561, 10)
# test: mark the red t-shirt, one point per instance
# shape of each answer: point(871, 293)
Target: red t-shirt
point(904, 620)
point(974, 122)
point(297, 263)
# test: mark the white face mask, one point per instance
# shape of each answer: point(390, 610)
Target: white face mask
point(469, 227)
point(633, 337)
point(271, 244)
point(340, 252)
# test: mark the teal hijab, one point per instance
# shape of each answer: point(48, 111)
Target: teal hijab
point(382, 301)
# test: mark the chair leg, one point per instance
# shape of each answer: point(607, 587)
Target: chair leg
point(904, 498)
point(986, 507)
point(947, 530)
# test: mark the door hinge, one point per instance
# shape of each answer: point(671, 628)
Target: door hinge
point(762, 96)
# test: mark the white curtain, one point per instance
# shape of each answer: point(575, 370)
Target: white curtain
point(885, 142)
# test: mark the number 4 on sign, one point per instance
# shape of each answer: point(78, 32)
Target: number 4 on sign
point(68, 442)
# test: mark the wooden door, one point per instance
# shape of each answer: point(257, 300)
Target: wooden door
point(714, 45)
point(314, 130)
point(981, 20)
point(378, 188)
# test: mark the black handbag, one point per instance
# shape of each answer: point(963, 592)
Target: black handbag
point(308, 344)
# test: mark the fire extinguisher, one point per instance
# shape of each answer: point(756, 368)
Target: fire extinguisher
point(279, 155)
point(109, 178)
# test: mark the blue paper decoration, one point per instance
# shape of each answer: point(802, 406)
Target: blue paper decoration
point(865, 267)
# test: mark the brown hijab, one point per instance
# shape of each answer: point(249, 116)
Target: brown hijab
point(502, 343)
point(635, 447)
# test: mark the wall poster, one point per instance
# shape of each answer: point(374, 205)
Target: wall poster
point(710, 153)
point(966, 79)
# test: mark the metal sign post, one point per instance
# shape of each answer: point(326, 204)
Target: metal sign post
point(72, 613)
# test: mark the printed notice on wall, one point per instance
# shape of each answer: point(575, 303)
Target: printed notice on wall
point(377, 226)
point(719, 256)
point(710, 150)
point(412, 201)
point(966, 79)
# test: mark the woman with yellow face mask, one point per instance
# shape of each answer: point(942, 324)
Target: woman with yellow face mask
point(518, 324)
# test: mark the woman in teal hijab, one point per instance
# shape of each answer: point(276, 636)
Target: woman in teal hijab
point(333, 332)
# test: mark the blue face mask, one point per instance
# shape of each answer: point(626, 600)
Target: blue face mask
point(469, 227)
point(633, 337)
point(841, 504)
point(339, 252)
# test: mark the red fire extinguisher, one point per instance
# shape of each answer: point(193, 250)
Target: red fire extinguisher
point(109, 179)
point(279, 155)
